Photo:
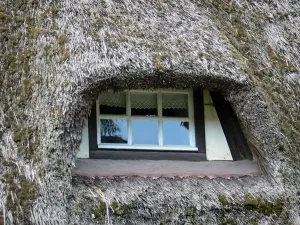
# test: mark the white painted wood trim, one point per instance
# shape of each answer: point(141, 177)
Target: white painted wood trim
point(216, 144)
point(129, 121)
point(191, 116)
point(128, 104)
point(160, 123)
point(129, 132)
point(83, 152)
point(148, 147)
point(98, 121)
point(173, 91)
point(120, 117)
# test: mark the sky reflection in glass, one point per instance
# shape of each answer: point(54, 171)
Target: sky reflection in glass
point(176, 133)
point(145, 132)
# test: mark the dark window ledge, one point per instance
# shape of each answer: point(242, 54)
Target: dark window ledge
point(165, 168)
point(146, 155)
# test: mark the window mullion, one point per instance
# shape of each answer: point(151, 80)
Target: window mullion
point(129, 121)
point(128, 103)
point(159, 104)
point(160, 125)
point(98, 121)
point(191, 117)
point(129, 131)
point(187, 119)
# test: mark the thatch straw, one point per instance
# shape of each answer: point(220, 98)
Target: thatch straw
point(58, 55)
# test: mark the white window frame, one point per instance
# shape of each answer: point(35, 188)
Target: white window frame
point(159, 118)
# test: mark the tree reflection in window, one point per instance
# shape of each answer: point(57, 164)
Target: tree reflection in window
point(113, 131)
point(185, 124)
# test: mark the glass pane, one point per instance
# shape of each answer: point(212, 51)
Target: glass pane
point(175, 105)
point(113, 131)
point(176, 133)
point(145, 132)
point(113, 103)
point(144, 104)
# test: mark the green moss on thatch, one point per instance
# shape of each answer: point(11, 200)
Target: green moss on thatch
point(223, 200)
point(265, 207)
point(54, 11)
point(61, 40)
point(191, 211)
point(22, 134)
point(100, 212)
point(117, 209)
point(25, 190)
point(4, 16)
point(165, 222)
point(252, 222)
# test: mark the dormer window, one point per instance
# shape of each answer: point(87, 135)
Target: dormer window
point(169, 124)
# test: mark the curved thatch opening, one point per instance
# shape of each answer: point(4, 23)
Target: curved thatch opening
point(260, 135)
point(241, 96)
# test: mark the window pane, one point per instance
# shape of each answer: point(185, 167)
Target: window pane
point(145, 132)
point(175, 105)
point(113, 103)
point(113, 131)
point(144, 104)
point(176, 133)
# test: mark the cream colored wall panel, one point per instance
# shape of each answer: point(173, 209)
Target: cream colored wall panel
point(216, 144)
point(84, 145)
point(207, 98)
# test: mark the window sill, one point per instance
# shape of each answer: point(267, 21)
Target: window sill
point(164, 168)
point(148, 147)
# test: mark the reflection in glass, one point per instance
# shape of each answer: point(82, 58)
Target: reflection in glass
point(145, 132)
point(143, 104)
point(176, 133)
point(113, 103)
point(175, 105)
point(113, 131)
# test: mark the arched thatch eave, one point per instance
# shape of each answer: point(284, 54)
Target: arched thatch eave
point(108, 40)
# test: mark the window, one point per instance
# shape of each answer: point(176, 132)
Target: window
point(169, 124)
point(146, 120)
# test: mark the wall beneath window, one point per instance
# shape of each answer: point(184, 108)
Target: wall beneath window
point(84, 144)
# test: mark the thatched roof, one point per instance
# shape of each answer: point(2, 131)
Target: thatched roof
point(58, 55)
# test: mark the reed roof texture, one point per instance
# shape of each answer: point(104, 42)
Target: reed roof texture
point(57, 56)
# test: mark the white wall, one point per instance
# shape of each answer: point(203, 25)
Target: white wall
point(216, 144)
point(84, 146)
